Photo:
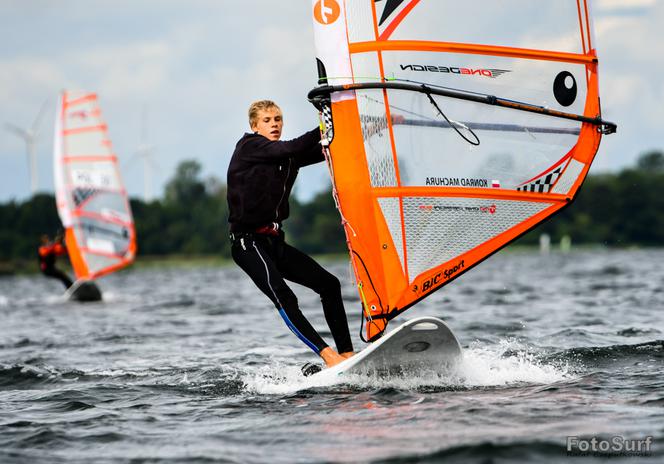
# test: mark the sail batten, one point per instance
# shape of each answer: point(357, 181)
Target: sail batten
point(475, 49)
point(90, 195)
point(451, 129)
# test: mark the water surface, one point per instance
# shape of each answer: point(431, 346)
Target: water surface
point(194, 365)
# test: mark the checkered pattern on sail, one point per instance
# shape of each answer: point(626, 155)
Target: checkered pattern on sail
point(328, 126)
point(542, 184)
point(80, 195)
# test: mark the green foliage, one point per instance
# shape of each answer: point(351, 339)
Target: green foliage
point(23, 225)
point(315, 227)
point(614, 209)
point(652, 161)
point(185, 187)
point(191, 220)
point(620, 209)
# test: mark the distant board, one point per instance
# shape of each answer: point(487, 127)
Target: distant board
point(421, 345)
point(84, 291)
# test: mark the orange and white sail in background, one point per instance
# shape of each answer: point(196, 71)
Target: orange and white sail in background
point(452, 129)
point(91, 199)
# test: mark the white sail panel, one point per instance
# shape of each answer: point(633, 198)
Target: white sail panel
point(91, 198)
point(441, 229)
point(568, 177)
point(509, 23)
point(391, 210)
point(359, 18)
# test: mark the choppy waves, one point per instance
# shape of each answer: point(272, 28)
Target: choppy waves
point(167, 371)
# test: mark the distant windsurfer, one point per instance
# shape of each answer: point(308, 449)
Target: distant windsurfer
point(48, 252)
point(260, 178)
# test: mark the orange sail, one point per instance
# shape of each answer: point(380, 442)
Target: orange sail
point(91, 199)
point(451, 129)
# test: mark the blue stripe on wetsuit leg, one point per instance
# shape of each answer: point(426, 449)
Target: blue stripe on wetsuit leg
point(297, 332)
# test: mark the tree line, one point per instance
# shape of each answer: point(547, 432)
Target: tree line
point(618, 209)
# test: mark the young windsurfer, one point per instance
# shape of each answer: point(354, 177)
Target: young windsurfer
point(260, 177)
point(48, 252)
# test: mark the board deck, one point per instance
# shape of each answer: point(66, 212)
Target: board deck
point(424, 344)
point(83, 291)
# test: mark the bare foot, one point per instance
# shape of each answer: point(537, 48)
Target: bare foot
point(331, 357)
point(347, 354)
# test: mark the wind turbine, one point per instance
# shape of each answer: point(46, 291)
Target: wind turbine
point(145, 151)
point(30, 137)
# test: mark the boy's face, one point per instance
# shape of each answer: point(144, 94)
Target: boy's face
point(269, 123)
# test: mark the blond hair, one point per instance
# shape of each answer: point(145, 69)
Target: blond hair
point(260, 105)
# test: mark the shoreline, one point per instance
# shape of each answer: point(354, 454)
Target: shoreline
point(29, 267)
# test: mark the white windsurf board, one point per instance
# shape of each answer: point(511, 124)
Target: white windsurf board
point(424, 344)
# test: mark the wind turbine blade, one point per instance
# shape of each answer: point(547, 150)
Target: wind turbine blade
point(37, 121)
point(17, 130)
point(148, 153)
point(131, 160)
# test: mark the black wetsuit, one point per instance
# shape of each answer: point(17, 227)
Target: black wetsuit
point(47, 255)
point(260, 178)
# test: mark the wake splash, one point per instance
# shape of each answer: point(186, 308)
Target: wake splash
point(507, 363)
point(504, 364)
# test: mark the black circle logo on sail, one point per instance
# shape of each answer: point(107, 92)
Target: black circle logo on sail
point(564, 88)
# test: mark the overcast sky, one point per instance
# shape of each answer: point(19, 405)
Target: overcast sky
point(196, 65)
